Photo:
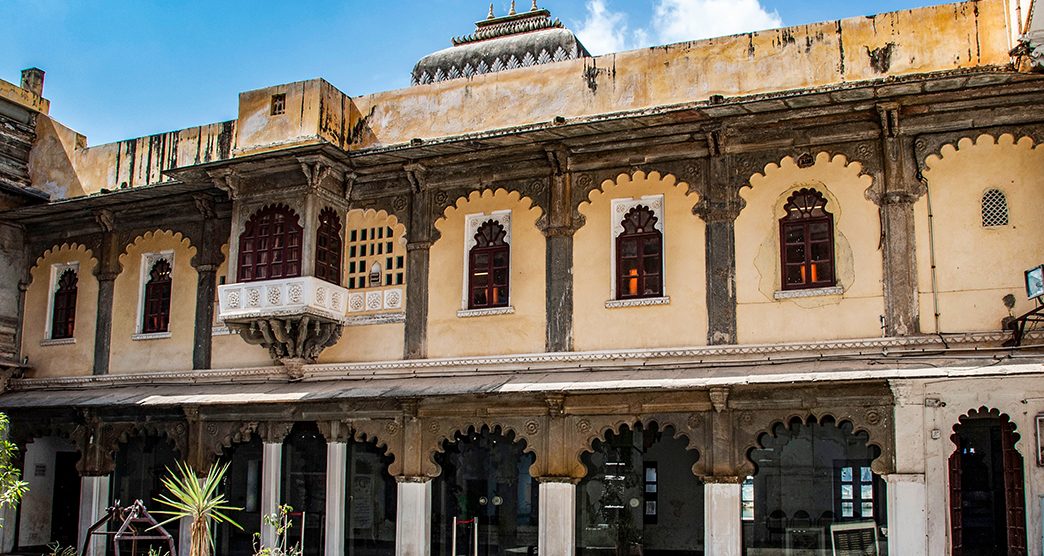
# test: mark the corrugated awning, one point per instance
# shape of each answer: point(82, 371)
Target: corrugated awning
point(578, 380)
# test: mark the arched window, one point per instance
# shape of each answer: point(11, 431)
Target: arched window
point(328, 247)
point(63, 318)
point(807, 242)
point(994, 209)
point(639, 256)
point(488, 267)
point(270, 246)
point(157, 298)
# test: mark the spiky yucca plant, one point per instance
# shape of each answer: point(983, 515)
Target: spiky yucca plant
point(198, 500)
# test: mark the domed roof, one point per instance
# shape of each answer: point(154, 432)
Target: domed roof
point(516, 40)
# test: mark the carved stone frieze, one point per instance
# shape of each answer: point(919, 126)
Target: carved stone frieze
point(436, 432)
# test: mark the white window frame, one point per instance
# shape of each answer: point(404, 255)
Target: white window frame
point(472, 222)
point(619, 209)
point(147, 260)
point(57, 269)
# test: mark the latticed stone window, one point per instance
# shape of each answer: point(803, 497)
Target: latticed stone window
point(374, 259)
point(994, 209)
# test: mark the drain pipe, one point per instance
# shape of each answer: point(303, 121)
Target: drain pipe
point(931, 253)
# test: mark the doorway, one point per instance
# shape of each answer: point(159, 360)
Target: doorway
point(65, 509)
point(987, 498)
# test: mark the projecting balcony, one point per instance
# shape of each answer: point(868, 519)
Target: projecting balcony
point(294, 318)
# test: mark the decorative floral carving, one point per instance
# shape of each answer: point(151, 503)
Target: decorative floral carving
point(583, 426)
point(295, 293)
point(532, 427)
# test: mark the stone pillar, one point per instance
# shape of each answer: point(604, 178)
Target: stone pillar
point(896, 196)
point(559, 265)
point(336, 471)
point(557, 516)
point(205, 289)
point(721, 509)
point(718, 207)
point(94, 500)
point(907, 518)
point(413, 519)
point(271, 487)
point(337, 435)
point(417, 255)
point(107, 270)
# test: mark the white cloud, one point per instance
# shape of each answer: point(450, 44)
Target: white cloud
point(604, 30)
point(686, 20)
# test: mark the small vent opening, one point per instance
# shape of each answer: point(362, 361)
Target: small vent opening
point(994, 209)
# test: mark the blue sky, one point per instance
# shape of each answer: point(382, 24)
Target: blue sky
point(118, 69)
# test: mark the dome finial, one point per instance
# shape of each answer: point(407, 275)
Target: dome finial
point(490, 16)
point(534, 8)
point(512, 12)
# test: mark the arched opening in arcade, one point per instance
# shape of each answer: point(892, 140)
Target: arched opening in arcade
point(304, 486)
point(370, 501)
point(141, 464)
point(987, 489)
point(640, 495)
point(814, 492)
point(242, 489)
point(485, 500)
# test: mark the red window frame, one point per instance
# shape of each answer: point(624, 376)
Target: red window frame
point(806, 239)
point(328, 247)
point(156, 316)
point(270, 245)
point(63, 316)
point(639, 256)
point(489, 267)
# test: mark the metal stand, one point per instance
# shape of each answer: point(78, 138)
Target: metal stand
point(474, 536)
point(133, 523)
point(1018, 326)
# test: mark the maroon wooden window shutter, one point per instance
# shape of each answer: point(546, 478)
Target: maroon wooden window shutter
point(956, 514)
point(63, 318)
point(489, 267)
point(639, 256)
point(270, 245)
point(1014, 491)
point(157, 298)
point(806, 240)
point(328, 247)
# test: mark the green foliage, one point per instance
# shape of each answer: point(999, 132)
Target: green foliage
point(12, 487)
point(281, 523)
point(56, 549)
point(198, 500)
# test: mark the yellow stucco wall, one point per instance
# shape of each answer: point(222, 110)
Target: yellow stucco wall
point(520, 332)
point(371, 342)
point(936, 38)
point(682, 322)
point(310, 107)
point(65, 359)
point(229, 351)
point(977, 266)
point(760, 318)
point(128, 355)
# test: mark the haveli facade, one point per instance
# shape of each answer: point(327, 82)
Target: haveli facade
point(745, 295)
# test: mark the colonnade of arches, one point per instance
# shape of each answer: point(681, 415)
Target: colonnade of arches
point(812, 488)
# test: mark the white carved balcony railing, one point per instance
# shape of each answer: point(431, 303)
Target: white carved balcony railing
point(304, 295)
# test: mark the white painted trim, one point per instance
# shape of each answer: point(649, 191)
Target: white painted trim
point(57, 270)
point(468, 313)
point(379, 318)
point(147, 260)
point(638, 302)
point(152, 336)
point(57, 342)
point(808, 292)
point(472, 222)
point(619, 208)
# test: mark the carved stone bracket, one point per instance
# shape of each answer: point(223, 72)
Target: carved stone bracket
point(274, 432)
point(291, 338)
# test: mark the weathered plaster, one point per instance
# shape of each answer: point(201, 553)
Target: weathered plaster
point(976, 266)
point(63, 359)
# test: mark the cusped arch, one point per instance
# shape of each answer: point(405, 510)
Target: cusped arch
point(882, 463)
point(986, 412)
point(509, 199)
point(159, 234)
point(517, 432)
point(610, 188)
point(931, 154)
point(391, 219)
point(685, 426)
point(823, 161)
point(63, 252)
point(382, 435)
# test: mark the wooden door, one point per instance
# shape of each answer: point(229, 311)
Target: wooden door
point(956, 515)
point(1014, 492)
